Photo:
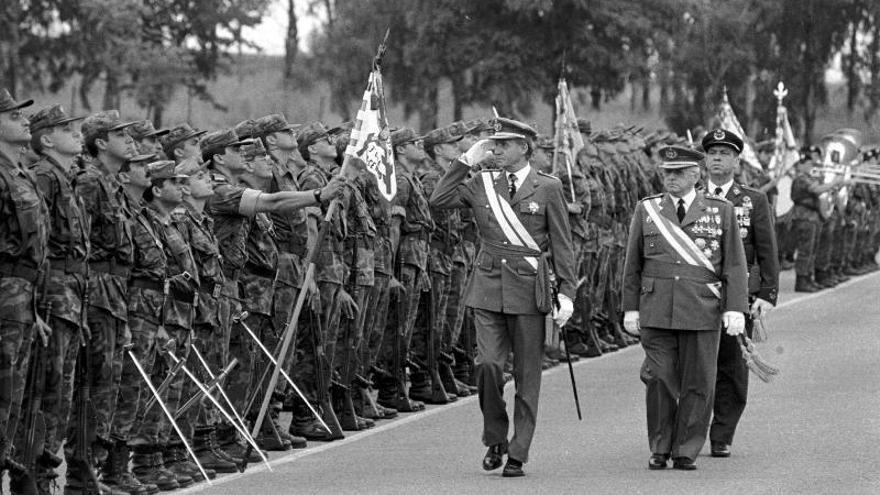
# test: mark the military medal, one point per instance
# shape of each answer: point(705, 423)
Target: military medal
point(714, 244)
point(701, 243)
point(708, 253)
point(533, 207)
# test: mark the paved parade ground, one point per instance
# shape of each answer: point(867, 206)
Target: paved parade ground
point(816, 429)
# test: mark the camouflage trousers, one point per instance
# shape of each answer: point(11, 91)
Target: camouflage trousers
point(109, 336)
point(349, 340)
point(16, 334)
point(57, 389)
point(133, 392)
point(244, 378)
point(403, 316)
point(179, 387)
point(316, 340)
point(375, 317)
point(454, 314)
point(433, 304)
point(207, 339)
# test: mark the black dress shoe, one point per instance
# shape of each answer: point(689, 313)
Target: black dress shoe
point(493, 457)
point(720, 449)
point(658, 461)
point(684, 464)
point(513, 469)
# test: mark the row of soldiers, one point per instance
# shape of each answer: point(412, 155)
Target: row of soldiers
point(132, 256)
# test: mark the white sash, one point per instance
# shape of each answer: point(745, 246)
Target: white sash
point(513, 229)
point(679, 240)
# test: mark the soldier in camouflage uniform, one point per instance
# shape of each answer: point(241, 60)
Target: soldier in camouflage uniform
point(182, 143)
point(148, 319)
point(442, 146)
point(147, 138)
point(411, 227)
point(23, 251)
point(212, 321)
point(56, 140)
point(110, 262)
point(233, 208)
point(334, 302)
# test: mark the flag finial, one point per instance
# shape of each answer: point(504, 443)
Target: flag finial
point(780, 92)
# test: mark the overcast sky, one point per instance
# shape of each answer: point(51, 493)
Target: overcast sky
point(270, 34)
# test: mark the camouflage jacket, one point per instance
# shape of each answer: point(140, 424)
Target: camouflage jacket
point(258, 277)
point(329, 264)
point(181, 271)
point(110, 237)
point(380, 211)
point(232, 223)
point(360, 244)
point(292, 230)
point(197, 230)
point(68, 241)
point(150, 265)
point(446, 237)
point(416, 225)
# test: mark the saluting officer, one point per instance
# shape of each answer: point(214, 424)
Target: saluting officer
point(684, 277)
point(525, 237)
point(758, 234)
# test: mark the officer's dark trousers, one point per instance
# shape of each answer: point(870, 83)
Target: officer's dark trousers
point(497, 334)
point(731, 388)
point(679, 372)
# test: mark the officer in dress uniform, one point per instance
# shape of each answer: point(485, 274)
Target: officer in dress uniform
point(684, 277)
point(525, 237)
point(758, 234)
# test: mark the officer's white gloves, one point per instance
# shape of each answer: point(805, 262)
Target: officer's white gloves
point(734, 322)
point(631, 322)
point(760, 308)
point(566, 309)
point(478, 152)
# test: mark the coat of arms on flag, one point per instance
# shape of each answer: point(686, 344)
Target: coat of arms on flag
point(371, 140)
point(728, 121)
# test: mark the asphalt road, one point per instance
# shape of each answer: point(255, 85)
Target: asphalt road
point(816, 429)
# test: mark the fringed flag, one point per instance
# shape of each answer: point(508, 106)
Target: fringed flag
point(729, 122)
point(371, 138)
point(568, 141)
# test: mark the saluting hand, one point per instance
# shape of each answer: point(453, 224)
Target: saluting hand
point(478, 152)
point(734, 322)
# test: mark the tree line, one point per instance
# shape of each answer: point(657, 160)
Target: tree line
point(505, 53)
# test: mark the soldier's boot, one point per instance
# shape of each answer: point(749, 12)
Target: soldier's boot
point(214, 445)
point(371, 409)
point(802, 283)
point(117, 475)
point(226, 439)
point(182, 461)
point(393, 395)
point(447, 376)
point(209, 458)
point(296, 442)
point(145, 469)
point(79, 481)
point(824, 280)
point(343, 407)
point(429, 389)
point(839, 275)
point(269, 438)
point(166, 458)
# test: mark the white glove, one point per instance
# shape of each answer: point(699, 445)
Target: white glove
point(566, 308)
point(478, 152)
point(734, 322)
point(760, 308)
point(631, 322)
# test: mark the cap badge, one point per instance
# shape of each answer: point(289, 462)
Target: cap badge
point(497, 126)
point(670, 153)
point(718, 135)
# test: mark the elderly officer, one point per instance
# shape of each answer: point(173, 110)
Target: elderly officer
point(525, 239)
point(758, 234)
point(684, 277)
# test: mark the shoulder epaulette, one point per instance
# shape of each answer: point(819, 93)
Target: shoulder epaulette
point(653, 196)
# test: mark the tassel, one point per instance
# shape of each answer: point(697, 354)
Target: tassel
point(756, 364)
point(759, 331)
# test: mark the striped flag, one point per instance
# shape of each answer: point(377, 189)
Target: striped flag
point(785, 152)
point(371, 139)
point(728, 121)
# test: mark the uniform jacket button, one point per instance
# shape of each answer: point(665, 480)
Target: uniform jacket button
point(677, 277)
point(503, 260)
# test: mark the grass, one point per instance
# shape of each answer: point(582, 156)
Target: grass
point(255, 88)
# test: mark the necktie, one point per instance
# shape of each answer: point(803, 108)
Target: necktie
point(680, 210)
point(719, 191)
point(511, 178)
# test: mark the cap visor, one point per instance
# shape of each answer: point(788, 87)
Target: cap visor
point(158, 133)
point(122, 126)
point(498, 136)
point(675, 165)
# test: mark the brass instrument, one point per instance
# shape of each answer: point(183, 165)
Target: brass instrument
point(840, 153)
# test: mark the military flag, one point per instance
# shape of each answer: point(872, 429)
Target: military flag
point(785, 151)
point(567, 140)
point(727, 120)
point(371, 138)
